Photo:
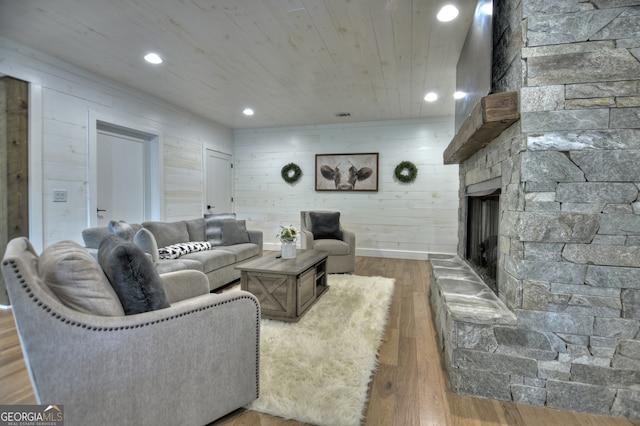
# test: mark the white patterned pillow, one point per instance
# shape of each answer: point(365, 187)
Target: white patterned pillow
point(174, 251)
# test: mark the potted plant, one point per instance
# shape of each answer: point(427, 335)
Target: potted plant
point(288, 236)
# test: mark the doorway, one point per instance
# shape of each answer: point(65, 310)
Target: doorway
point(125, 171)
point(122, 177)
point(218, 184)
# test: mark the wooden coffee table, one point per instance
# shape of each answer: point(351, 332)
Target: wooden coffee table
point(286, 288)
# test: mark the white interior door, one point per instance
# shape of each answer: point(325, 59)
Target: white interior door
point(218, 182)
point(121, 171)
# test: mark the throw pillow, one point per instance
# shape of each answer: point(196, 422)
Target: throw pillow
point(325, 226)
point(234, 232)
point(196, 229)
point(121, 229)
point(75, 277)
point(147, 242)
point(174, 251)
point(93, 236)
point(132, 275)
point(213, 230)
point(167, 233)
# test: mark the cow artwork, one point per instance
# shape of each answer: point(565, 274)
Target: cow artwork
point(346, 172)
point(345, 181)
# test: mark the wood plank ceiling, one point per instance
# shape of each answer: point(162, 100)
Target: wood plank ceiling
point(295, 62)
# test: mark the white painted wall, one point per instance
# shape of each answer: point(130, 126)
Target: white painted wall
point(400, 220)
point(65, 102)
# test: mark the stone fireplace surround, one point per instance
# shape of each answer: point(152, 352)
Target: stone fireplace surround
point(565, 330)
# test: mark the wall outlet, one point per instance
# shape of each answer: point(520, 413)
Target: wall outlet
point(60, 196)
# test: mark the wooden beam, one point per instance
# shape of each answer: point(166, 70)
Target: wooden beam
point(4, 196)
point(14, 166)
point(490, 117)
point(17, 157)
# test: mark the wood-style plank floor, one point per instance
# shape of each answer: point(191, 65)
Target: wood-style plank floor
point(410, 386)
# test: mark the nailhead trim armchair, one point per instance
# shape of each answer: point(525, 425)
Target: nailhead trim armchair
point(188, 364)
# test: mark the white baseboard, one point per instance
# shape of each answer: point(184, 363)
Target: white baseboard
point(392, 254)
point(440, 254)
point(371, 252)
point(273, 246)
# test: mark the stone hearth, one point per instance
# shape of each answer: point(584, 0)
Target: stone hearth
point(564, 331)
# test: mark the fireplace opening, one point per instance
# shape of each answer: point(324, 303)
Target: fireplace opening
point(483, 218)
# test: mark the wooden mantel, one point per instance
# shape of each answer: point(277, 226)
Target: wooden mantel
point(490, 117)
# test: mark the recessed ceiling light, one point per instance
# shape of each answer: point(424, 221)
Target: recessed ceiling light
point(153, 58)
point(447, 13)
point(248, 111)
point(459, 95)
point(431, 97)
point(487, 8)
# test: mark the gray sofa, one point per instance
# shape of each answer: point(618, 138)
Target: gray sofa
point(188, 363)
point(218, 264)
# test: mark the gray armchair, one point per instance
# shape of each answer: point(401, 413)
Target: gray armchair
point(329, 236)
point(188, 364)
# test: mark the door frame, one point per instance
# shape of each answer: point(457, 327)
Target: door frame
point(126, 125)
point(205, 168)
point(36, 166)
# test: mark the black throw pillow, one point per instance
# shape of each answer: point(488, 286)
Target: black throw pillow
point(325, 226)
point(132, 275)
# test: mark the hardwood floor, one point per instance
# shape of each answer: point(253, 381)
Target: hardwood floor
point(410, 386)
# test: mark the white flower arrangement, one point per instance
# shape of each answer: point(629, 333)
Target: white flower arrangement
point(287, 233)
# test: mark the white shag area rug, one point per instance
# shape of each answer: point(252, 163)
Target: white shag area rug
point(318, 369)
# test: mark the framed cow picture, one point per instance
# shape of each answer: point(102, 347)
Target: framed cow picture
point(347, 172)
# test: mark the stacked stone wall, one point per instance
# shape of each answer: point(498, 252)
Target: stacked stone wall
point(569, 266)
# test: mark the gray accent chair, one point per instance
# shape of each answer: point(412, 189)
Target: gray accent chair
point(188, 364)
point(342, 253)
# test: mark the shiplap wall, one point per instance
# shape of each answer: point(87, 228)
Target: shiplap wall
point(400, 220)
point(65, 97)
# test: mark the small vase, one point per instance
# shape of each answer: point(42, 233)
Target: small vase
point(288, 249)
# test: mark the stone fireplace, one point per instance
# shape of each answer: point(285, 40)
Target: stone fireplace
point(563, 330)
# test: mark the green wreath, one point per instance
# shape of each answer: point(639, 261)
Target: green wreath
point(410, 176)
point(286, 173)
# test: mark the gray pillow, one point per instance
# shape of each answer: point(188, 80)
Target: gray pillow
point(132, 275)
point(325, 226)
point(213, 229)
point(93, 236)
point(121, 229)
point(75, 277)
point(234, 232)
point(168, 233)
point(195, 228)
point(147, 242)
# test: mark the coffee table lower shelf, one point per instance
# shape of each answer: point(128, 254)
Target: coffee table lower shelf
point(286, 288)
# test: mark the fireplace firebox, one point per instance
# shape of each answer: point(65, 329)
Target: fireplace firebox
point(483, 218)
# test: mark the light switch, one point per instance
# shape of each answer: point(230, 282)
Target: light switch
point(59, 195)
